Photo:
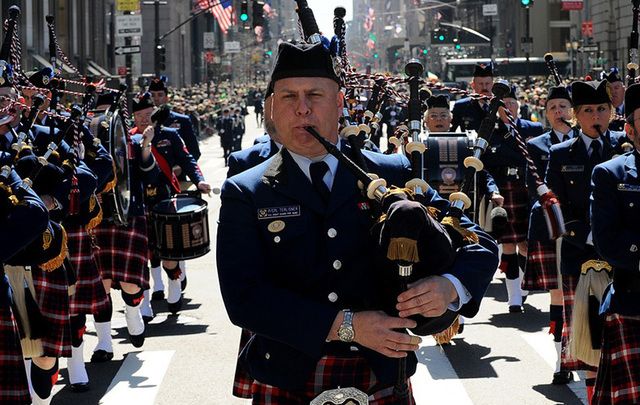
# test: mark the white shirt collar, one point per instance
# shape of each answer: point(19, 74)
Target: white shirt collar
point(560, 136)
point(587, 141)
point(304, 162)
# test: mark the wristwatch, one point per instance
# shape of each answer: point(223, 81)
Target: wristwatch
point(345, 331)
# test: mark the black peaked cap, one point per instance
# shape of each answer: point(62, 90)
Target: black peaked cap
point(592, 92)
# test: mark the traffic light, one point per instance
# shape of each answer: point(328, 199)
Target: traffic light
point(161, 57)
point(258, 13)
point(526, 3)
point(456, 44)
point(376, 55)
point(244, 11)
point(439, 35)
point(425, 51)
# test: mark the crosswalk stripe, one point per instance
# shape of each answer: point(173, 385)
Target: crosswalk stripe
point(542, 343)
point(138, 379)
point(435, 380)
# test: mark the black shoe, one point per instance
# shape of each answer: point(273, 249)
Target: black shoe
point(80, 387)
point(146, 319)
point(175, 307)
point(157, 295)
point(515, 309)
point(183, 283)
point(524, 298)
point(460, 328)
point(101, 356)
point(562, 377)
point(137, 340)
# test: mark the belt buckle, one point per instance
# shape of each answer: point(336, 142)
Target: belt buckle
point(341, 396)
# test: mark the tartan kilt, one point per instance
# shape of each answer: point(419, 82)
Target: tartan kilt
point(52, 293)
point(516, 203)
point(13, 378)
point(242, 381)
point(568, 363)
point(122, 252)
point(542, 270)
point(332, 372)
point(90, 297)
point(618, 380)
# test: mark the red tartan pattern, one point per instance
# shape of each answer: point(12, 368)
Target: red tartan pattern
point(542, 271)
point(242, 381)
point(52, 293)
point(122, 252)
point(618, 380)
point(569, 283)
point(516, 203)
point(13, 378)
point(90, 296)
point(330, 373)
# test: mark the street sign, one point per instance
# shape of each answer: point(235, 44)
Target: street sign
point(588, 48)
point(232, 47)
point(127, 50)
point(208, 40)
point(127, 5)
point(129, 25)
point(489, 10)
point(569, 5)
point(587, 28)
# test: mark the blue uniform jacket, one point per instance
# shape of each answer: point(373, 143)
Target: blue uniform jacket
point(280, 291)
point(141, 174)
point(615, 220)
point(168, 142)
point(245, 159)
point(467, 114)
point(503, 153)
point(184, 126)
point(569, 177)
point(24, 222)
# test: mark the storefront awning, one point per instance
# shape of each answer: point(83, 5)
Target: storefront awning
point(103, 72)
point(44, 62)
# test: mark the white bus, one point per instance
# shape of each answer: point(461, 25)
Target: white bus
point(461, 70)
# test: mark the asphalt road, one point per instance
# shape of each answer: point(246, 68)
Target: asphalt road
point(500, 358)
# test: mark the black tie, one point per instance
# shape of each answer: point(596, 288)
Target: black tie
point(594, 158)
point(318, 170)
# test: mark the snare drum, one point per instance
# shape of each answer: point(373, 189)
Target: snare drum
point(444, 168)
point(181, 228)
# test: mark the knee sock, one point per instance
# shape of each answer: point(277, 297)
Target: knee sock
point(509, 266)
point(77, 329)
point(102, 322)
point(145, 307)
point(132, 300)
point(43, 381)
point(173, 274)
point(522, 262)
point(590, 384)
point(555, 322)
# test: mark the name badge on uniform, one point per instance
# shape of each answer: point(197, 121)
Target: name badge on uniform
point(164, 142)
point(628, 187)
point(279, 212)
point(572, 168)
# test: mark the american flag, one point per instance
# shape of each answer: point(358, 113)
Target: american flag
point(222, 10)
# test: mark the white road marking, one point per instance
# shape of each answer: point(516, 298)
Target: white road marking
point(435, 380)
point(542, 343)
point(138, 379)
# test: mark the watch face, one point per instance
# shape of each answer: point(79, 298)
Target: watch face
point(346, 334)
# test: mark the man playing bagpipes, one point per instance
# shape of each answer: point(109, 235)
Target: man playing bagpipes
point(23, 219)
point(569, 176)
point(122, 253)
point(310, 290)
point(542, 271)
point(469, 112)
point(169, 151)
point(507, 165)
point(615, 224)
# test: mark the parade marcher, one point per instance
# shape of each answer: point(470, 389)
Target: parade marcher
point(507, 165)
point(23, 219)
point(542, 272)
point(224, 126)
point(169, 151)
point(123, 250)
point(468, 112)
point(392, 116)
point(238, 128)
point(258, 108)
point(569, 176)
point(617, 86)
point(293, 287)
point(615, 223)
point(160, 94)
